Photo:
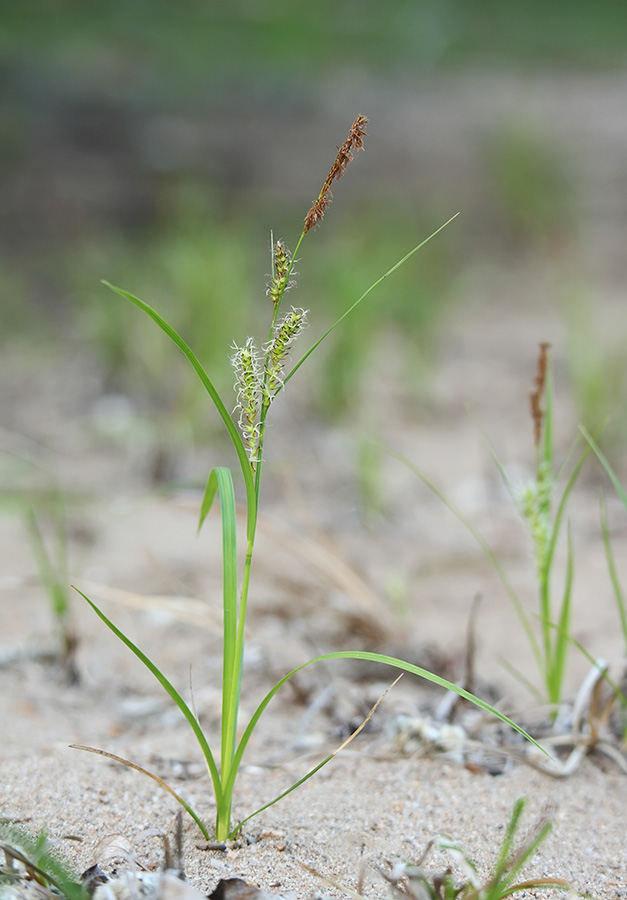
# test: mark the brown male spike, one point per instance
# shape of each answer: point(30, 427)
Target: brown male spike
point(353, 143)
point(535, 397)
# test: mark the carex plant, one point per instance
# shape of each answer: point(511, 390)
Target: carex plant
point(415, 883)
point(542, 504)
point(262, 370)
point(543, 510)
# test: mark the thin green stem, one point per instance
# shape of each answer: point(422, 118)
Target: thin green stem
point(545, 612)
point(239, 647)
point(230, 699)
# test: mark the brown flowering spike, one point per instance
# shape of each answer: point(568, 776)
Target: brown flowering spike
point(316, 213)
point(353, 143)
point(535, 397)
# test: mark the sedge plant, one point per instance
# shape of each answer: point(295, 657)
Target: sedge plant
point(52, 565)
point(32, 868)
point(413, 882)
point(261, 371)
point(543, 515)
point(543, 511)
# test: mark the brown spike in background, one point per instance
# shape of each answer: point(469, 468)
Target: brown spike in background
point(535, 397)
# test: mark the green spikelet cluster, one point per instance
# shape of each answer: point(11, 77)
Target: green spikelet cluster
point(255, 383)
point(534, 503)
point(249, 390)
point(285, 333)
point(282, 264)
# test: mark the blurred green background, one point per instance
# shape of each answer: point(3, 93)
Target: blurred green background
point(157, 144)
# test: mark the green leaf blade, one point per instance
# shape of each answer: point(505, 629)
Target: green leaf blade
point(370, 657)
point(170, 690)
point(197, 366)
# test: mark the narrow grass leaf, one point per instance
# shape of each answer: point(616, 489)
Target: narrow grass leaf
point(620, 696)
point(604, 462)
point(230, 426)
point(160, 781)
point(371, 657)
point(506, 846)
point(317, 768)
point(520, 677)
point(489, 553)
point(559, 514)
point(558, 884)
point(231, 665)
point(208, 498)
point(528, 851)
point(496, 459)
point(171, 690)
point(54, 874)
point(560, 647)
point(611, 565)
point(363, 297)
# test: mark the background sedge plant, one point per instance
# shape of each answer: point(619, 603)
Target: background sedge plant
point(536, 502)
point(542, 509)
point(619, 594)
point(261, 370)
point(414, 882)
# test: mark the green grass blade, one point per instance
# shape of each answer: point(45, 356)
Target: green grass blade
point(363, 297)
point(160, 781)
point(489, 553)
point(526, 682)
point(170, 690)
point(319, 766)
point(496, 459)
point(231, 665)
point(526, 853)
point(289, 790)
point(35, 854)
point(620, 696)
point(604, 462)
point(49, 575)
point(557, 666)
point(208, 498)
point(371, 657)
point(611, 565)
point(557, 884)
point(500, 873)
point(230, 426)
point(559, 514)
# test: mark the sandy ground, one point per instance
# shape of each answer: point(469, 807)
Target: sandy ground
point(318, 586)
point(402, 581)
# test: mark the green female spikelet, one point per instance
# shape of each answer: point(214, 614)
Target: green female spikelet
point(285, 333)
point(534, 501)
point(534, 505)
point(249, 389)
point(281, 282)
